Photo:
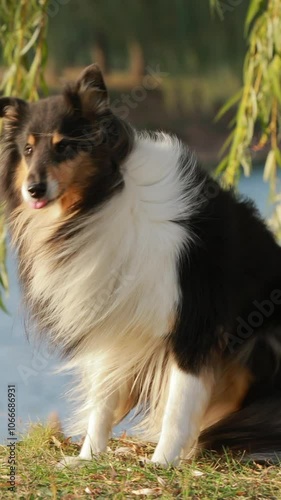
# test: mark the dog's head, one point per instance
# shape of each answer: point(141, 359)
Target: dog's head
point(65, 149)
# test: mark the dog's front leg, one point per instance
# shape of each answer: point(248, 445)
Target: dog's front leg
point(188, 398)
point(99, 427)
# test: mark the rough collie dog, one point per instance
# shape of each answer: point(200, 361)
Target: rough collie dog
point(160, 289)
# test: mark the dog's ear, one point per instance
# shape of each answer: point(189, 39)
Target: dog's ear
point(90, 92)
point(13, 111)
point(91, 79)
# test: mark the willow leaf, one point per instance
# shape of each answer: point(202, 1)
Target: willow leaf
point(270, 166)
point(229, 104)
point(254, 8)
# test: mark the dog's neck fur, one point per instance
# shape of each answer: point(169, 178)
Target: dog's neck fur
point(118, 254)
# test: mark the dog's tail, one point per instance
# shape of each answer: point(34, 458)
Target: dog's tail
point(255, 430)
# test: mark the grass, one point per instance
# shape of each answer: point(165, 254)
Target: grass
point(121, 473)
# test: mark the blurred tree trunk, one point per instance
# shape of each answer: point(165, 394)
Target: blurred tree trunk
point(24, 48)
point(137, 61)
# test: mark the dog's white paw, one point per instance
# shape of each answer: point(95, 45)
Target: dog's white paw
point(157, 462)
point(164, 465)
point(145, 461)
point(161, 460)
point(72, 462)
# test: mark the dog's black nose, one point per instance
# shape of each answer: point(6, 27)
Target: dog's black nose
point(37, 190)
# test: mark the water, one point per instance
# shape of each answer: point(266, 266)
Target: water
point(39, 390)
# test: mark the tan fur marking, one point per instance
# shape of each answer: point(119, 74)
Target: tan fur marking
point(21, 174)
point(57, 138)
point(31, 140)
point(229, 391)
point(72, 177)
point(70, 198)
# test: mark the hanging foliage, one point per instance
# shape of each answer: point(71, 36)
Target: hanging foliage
point(258, 102)
point(23, 31)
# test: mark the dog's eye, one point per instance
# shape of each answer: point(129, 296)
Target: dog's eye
point(65, 147)
point(28, 150)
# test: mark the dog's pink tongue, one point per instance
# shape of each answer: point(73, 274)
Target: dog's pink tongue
point(38, 204)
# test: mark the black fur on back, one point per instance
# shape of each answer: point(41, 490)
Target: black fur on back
point(233, 264)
